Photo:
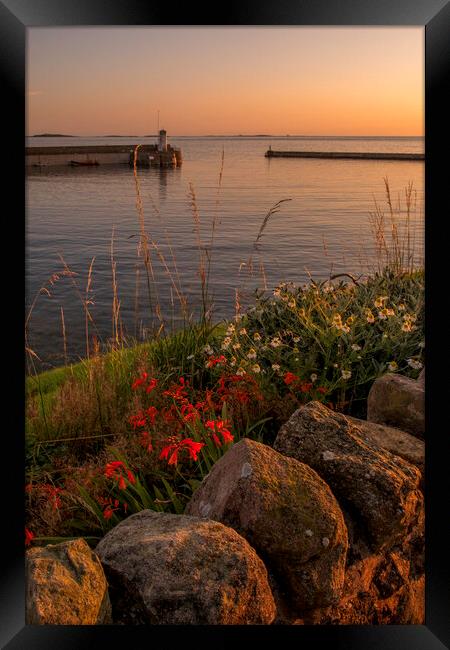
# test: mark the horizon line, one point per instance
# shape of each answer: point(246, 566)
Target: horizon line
point(219, 135)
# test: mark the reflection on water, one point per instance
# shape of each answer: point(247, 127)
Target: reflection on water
point(325, 227)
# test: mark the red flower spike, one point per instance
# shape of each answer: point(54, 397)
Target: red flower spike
point(173, 458)
point(151, 385)
point(139, 381)
point(29, 536)
point(289, 378)
point(214, 361)
point(216, 440)
point(131, 477)
point(175, 448)
point(152, 412)
point(146, 441)
point(116, 470)
point(219, 426)
point(108, 512)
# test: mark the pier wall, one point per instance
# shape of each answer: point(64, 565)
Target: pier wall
point(63, 159)
point(344, 155)
point(103, 155)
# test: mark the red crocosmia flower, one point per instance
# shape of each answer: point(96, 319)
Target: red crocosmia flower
point(322, 389)
point(166, 451)
point(146, 441)
point(112, 468)
point(29, 536)
point(137, 420)
point(48, 491)
point(189, 412)
point(178, 392)
point(152, 412)
point(170, 452)
point(151, 385)
point(305, 387)
point(216, 439)
point(289, 378)
point(116, 470)
point(173, 460)
point(108, 512)
point(142, 379)
point(109, 509)
point(53, 493)
point(193, 447)
point(214, 361)
point(219, 426)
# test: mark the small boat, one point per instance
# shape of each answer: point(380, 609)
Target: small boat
point(85, 163)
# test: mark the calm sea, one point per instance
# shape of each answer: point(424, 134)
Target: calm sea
point(323, 228)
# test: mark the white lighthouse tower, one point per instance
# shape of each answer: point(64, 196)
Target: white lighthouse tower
point(162, 145)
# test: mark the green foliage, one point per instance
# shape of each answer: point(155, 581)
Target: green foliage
point(326, 341)
point(334, 333)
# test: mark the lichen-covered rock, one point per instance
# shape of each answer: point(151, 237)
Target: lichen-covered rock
point(286, 512)
point(175, 569)
point(380, 588)
point(397, 442)
point(399, 402)
point(66, 585)
point(380, 489)
point(384, 587)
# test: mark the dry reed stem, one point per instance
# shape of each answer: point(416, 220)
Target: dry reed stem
point(143, 234)
point(63, 327)
point(88, 301)
point(178, 289)
point(201, 251)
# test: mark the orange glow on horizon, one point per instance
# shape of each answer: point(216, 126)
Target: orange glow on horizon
point(275, 81)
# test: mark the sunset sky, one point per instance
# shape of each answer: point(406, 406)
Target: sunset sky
point(218, 80)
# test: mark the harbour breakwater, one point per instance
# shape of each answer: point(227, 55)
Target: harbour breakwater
point(148, 155)
point(347, 155)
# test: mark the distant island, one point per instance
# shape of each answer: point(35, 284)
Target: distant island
point(53, 135)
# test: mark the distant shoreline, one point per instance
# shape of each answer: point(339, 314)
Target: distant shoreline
point(54, 135)
point(240, 135)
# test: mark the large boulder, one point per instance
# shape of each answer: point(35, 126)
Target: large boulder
point(286, 512)
point(398, 401)
point(175, 569)
point(379, 588)
point(66, 585)
point(394, 440)
point(380, 489)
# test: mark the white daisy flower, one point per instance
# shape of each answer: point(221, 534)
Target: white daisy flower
point(414, 363)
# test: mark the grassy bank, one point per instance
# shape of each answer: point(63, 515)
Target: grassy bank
point(140, 427)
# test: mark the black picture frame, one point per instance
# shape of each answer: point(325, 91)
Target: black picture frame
point(18, 15)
